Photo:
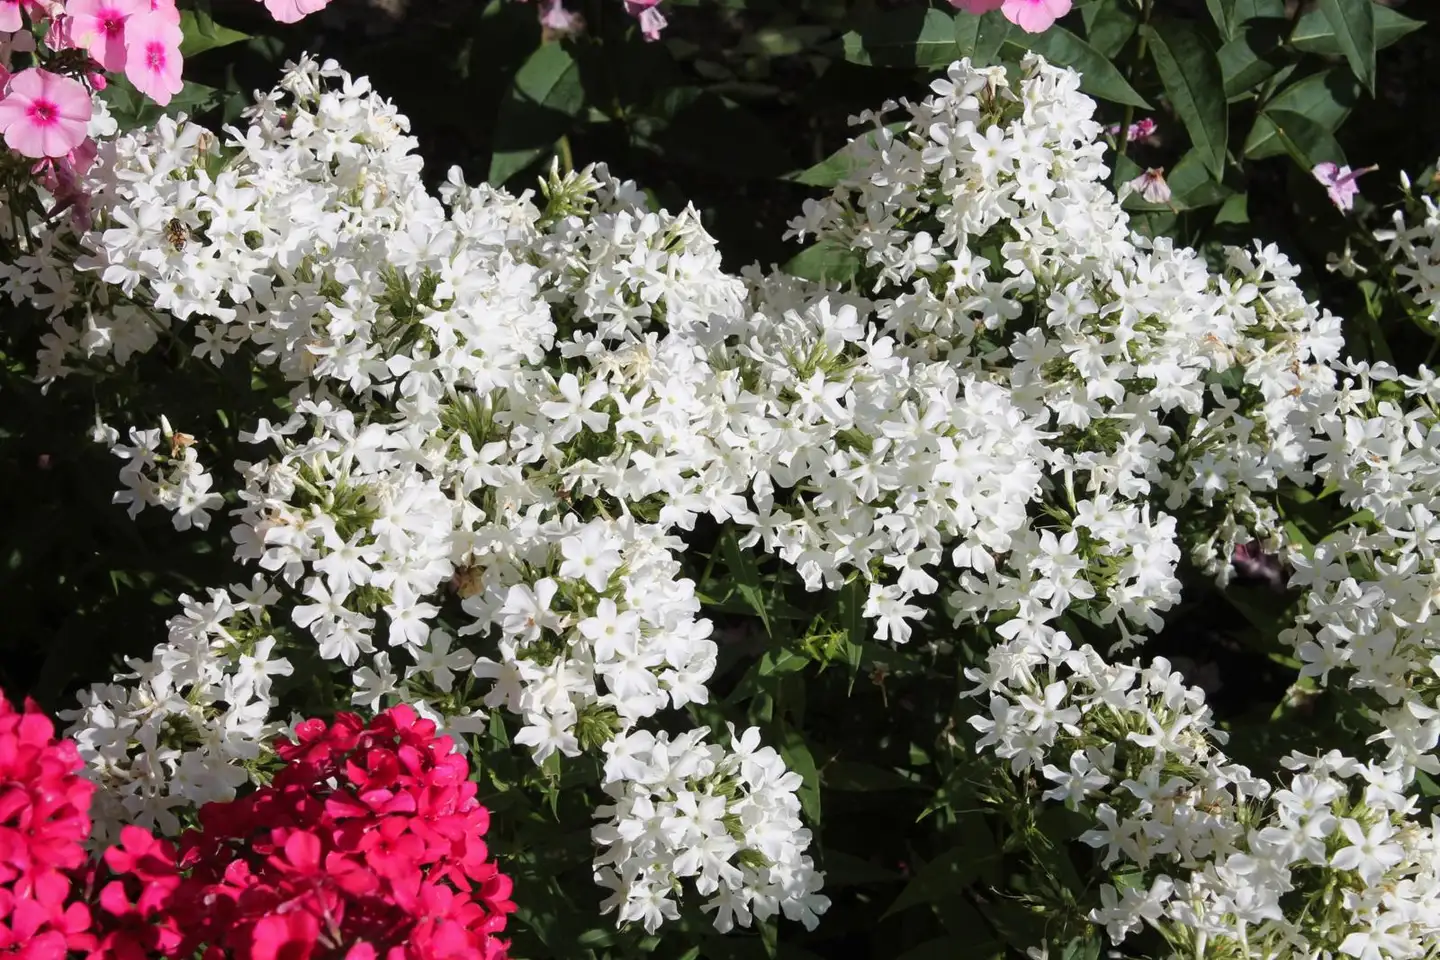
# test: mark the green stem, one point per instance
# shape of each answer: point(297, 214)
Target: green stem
point(567, 160)
point(1142, 48)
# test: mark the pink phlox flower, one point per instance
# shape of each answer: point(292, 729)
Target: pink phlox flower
point(99, 27)
point(289, 11)
point(1032, 16)
point(58, 32)
point(1339, 182)
point(165, 9)
point(10, 19)
point(555, 18)
point(1138, 130)
point(977, 6)
point(1035, 16)
point(1143, 128)
point(153, 60)
point(44, 114)
point(60, 176)
point(1151, 185)
point(22, 42)
point(652, 21)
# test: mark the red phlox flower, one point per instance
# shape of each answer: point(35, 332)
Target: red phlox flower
point(44, 822)
point(366, 844)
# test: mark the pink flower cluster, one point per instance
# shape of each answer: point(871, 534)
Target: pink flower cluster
point(368, 844)
point(45, 109)
point(140, 38)
point(44, 821)
point(1032, 16)
point(1139, 130)
point(44, 113)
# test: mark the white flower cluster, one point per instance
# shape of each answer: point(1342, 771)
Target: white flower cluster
point(1128, 376)
point(1372, 589)
point(1151, 383)
point(729, 820)
point(609, 640)
point(1333, 862)
point(163, 469)
point(493, 402)
point(181, 727)
point(1413, 249)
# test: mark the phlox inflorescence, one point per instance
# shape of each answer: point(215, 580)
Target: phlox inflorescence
point(504, 415)
point(1124, 386)
point(51, 111)
point(163, 469)
point(369, 841)
point(431, 454)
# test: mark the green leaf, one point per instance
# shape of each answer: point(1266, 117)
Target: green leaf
point(798, 759)
point(850, 617)
point(1223, 13)
point(1246, 10)
point(1353, 22)
point(193, 98)
point(837, 166)
point(1268, 613)
point(202, 33)
point(747, 575)
point(981, 37)
point(543, 100)
point(132, 109)
point(784, 41)
point(1098, 76)
point(845, 870)
point(855, 777)
point(944, 877)
point(1324, 98)
point(781, 661)
point(1109, 25)
point(1231, 15)
point(908, 37)
point(1306, 141)
point(1234, 210)
point(1195, 84)
point(701, 129)
point(1082, 948)
point(1313, 33)
point(1253, 57)
point(826, 261)
point(954, 947)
